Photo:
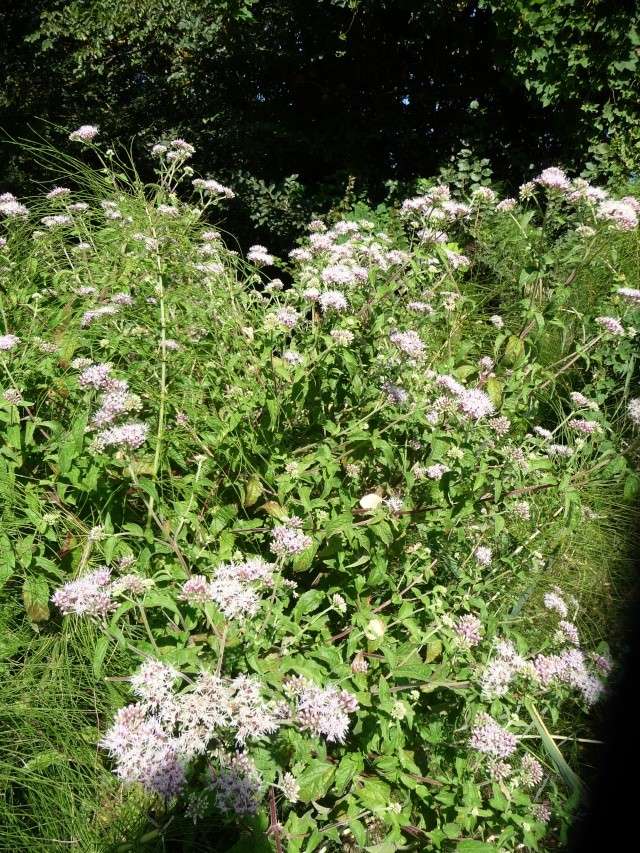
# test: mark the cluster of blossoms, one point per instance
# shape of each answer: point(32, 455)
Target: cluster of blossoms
point(153, 740)
point(260, 256)
point(288, 539)
point(473, 403)
point(214, 188)
point(92, 594)
point(11, 207)
point(469, 630)
point(499, 746)
point(177, 151)
point(116, 401)
point(234, 587)
point(568, 667)
point(85, 133)
point(324, 711)
point(8, 342)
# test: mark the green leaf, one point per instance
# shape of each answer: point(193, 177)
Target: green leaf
point(315, 780)
point(102, 644)
point(573, 782)
point(35, 595)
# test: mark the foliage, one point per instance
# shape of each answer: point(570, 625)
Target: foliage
point(582, 59)
point(379, 90)
point(322, 523)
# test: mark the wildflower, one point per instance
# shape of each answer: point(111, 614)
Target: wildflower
point(554, 601)
point(559, 450)
point(260, 256)
point(450, 384)
point(621, 213)
point(153, 681)
point(11, 207)
point(343, 337)
point(143, 753)
point(288, 539)
point(56, 221)
point(611, 325)
point(96, 534)
point(128, 436)
point(497, 321)
point(237, 784)
point(133, 583)
point(521, 508)
point(483, 555)
point(586, 427)
point(500, 426)
point(85, 133)
point(437, 471)
point(213, 188)
point(456, 260)
point(323, 711)
point(338, 602)
point(169, 210)
point(567, 632)
point(58, 192)
point(499, 770)
point(553, 179)
point(359, 663)
point(633, 410)
point(630, 293)
point(506, 205)
point(290, 787)
point(88, 595)
point(532, 772)
point(420, 307)
point(475, 403)
point(542, 432)
point(89, 316)
point(394, 504)
point(300, 255)
point(126, 561)
point(96, 376)
point(409, 342)
point(170, 344)
point(496, 678)
point(13, 396)
point(8, 342)
point(338, 274)
point(483, 194)
point(581, 401)
point(293, 358)
point(490, 738)
point(394, 393)
point(333, 300)
point(122, 299)
point(468, 628)
point(196, 590)
point(287, 317)
point(542, 811)
point(602, 663)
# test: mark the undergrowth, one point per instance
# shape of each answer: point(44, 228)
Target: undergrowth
point(352, 549)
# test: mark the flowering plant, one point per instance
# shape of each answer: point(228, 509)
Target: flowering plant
point(324, 518)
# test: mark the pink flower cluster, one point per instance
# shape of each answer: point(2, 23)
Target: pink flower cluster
point(234, 587)
point(92, 594)
point(287, 539)
point(115, 401)
point(490, 738)
point(322, 710)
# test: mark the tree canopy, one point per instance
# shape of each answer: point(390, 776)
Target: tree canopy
point(326, 89)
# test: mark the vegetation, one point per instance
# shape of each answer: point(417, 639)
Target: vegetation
point(286, 100)
point(316, 565)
